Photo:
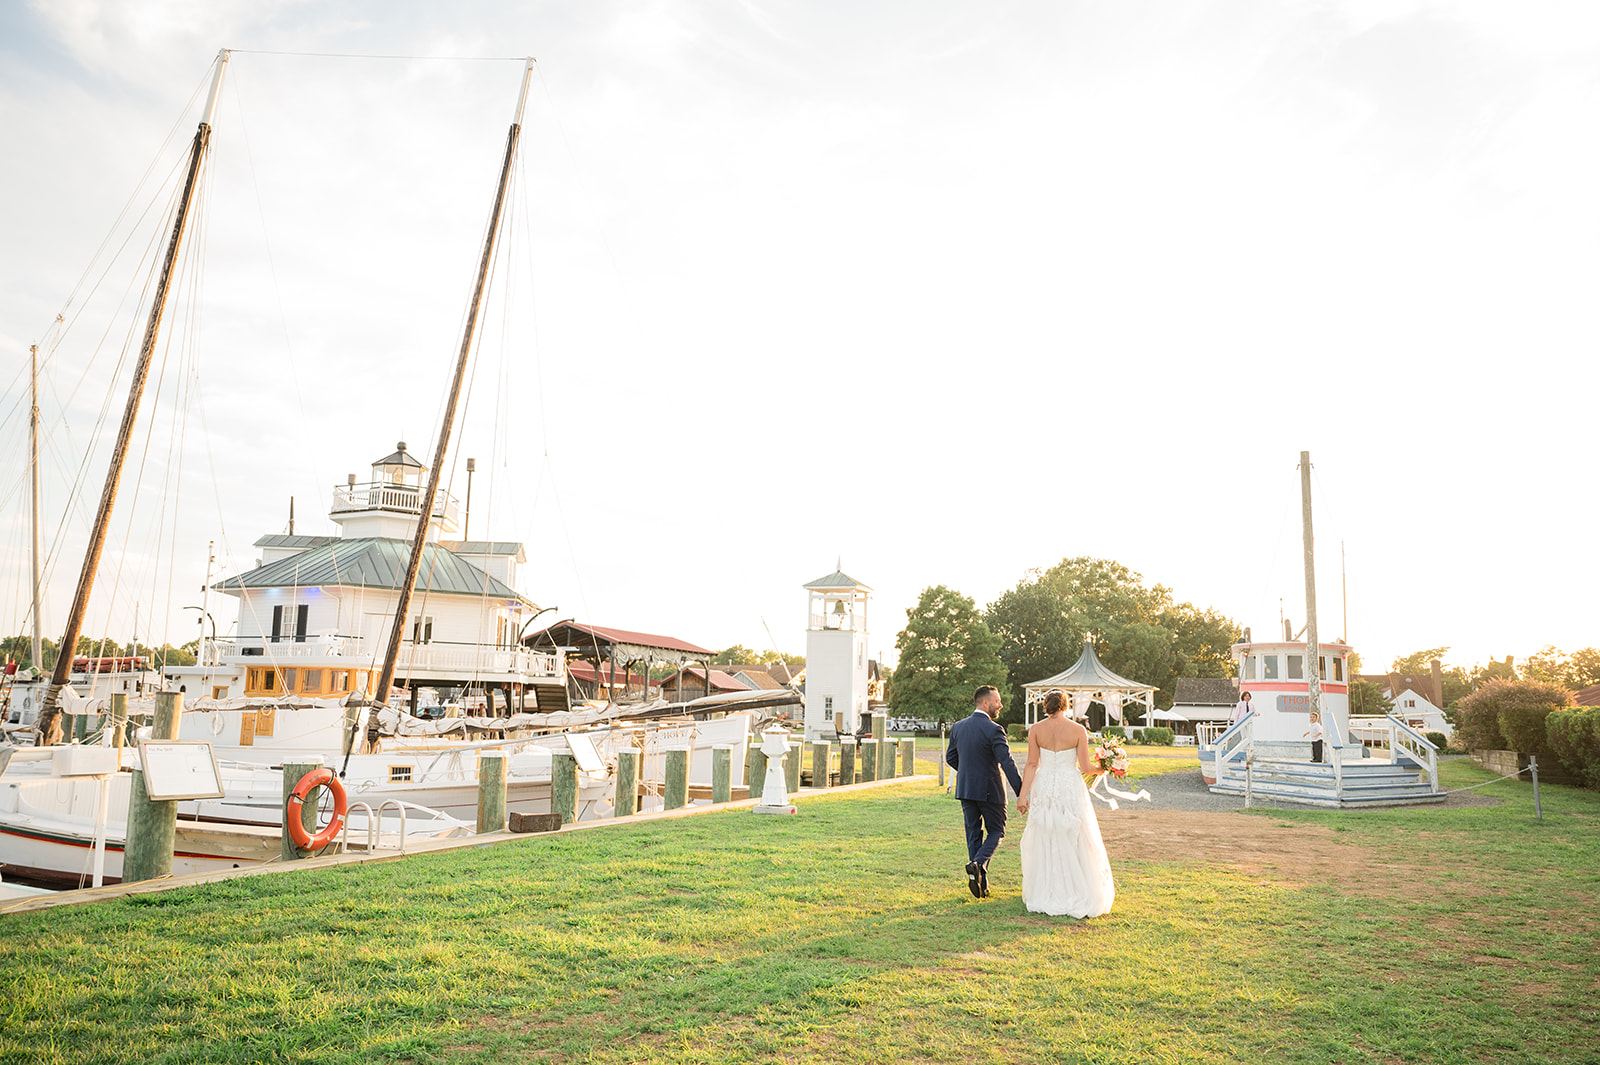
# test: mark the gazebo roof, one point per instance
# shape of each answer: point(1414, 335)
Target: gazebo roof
point(1088, 673)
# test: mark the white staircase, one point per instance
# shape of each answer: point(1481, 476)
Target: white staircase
point(1350, 781)
point(1360, 783)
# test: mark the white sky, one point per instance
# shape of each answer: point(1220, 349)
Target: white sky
point(947, 290)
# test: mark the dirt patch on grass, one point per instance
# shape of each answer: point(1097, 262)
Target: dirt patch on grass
point(1293, 853)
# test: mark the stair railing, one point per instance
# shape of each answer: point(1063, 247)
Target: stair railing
point(1335, 744)
point(1402, 737)
point(1239, 735)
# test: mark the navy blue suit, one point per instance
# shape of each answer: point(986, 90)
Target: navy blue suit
point(978, 752)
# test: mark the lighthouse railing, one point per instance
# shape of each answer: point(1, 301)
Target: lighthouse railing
point(1403, 739)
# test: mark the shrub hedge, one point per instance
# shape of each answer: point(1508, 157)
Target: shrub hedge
point(1437, 739)
point(1115, 730)
point(1575, 737)
point(1158, 736)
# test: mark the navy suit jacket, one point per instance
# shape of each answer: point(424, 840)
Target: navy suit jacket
point(978, 752)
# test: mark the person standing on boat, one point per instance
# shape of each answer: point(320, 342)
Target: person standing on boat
point(978, 752)
point(1242, 709)
point(1314, 733)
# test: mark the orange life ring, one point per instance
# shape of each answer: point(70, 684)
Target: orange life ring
point(325, 778)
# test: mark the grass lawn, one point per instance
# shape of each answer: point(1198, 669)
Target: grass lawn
point(845, 934)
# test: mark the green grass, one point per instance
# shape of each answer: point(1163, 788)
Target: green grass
point(843, 934)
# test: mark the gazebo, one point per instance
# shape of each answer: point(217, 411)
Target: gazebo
point(1088, 681)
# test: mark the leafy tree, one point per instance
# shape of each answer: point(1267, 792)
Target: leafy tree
point(1140, 631)
point(1368, 700)
point(1575, 671)
point(740, 655)
point(1419, 662)
point(1492, 670)
point(946, 653)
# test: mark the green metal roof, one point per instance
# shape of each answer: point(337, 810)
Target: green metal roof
point(374, 562)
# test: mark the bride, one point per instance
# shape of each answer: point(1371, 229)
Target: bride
point(1065, 870)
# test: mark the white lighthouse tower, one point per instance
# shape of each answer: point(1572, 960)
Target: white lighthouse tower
point(836, 654)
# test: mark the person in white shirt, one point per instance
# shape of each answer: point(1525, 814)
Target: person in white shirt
point(1315, 734)
point(1242, 709)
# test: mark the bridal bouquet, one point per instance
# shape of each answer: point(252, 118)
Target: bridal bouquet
point(1112, 758)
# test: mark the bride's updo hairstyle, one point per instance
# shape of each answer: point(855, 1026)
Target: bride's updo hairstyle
point(1054, 702)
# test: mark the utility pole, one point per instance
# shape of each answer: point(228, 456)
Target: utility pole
point(1313, 678)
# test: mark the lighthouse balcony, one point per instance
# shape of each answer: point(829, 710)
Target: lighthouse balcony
point(393, 498)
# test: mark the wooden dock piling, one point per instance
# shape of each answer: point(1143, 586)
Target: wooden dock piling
point(626, 799)
point(564, 787)
point(819, 764)
point(153, 826)
point(675, 789)
point(755, 763)
point(292, 772)
point(491, 792)
point(722, 774)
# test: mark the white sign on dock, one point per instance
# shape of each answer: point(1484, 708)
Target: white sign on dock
point(180, 770)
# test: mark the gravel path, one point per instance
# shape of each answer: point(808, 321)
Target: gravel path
point(1183, 789)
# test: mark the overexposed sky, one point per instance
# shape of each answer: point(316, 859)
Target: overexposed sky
point(948, 291)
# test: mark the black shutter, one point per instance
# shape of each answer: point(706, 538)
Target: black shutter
point(277, 622)
point(301, 615)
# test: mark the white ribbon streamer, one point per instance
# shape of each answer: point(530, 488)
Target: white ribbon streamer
point(1103, 791)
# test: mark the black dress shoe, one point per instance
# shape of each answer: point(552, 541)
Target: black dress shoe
point(983, 880)
point(975, 879)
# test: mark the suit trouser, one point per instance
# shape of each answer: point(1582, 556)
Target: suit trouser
point(982, 817)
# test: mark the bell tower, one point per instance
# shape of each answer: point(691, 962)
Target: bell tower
point(836, 654)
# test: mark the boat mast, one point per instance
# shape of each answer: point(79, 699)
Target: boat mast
point(33, 473)
point(425, 514)
point(130, 414)
point(1313, 653)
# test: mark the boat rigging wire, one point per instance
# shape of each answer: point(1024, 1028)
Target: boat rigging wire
point(359, 55)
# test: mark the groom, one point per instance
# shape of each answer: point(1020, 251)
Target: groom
point(978, 752)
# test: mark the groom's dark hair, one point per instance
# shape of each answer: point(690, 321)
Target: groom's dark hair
point(978, 696)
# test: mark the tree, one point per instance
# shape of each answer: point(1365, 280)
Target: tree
point(1492, 670)
point(946, 653)
point(1368, 700)
point(1578, 670)
point(1140, 631)
point(740, 655)
point(1418, 662)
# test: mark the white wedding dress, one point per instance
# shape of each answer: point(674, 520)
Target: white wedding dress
point(1065, 871)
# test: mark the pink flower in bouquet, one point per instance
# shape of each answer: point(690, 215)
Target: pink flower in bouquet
point(1112, 758)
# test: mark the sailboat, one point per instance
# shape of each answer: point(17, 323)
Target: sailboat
point(302, 679)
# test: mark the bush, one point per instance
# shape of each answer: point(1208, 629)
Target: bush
point(1160, 736)
point(1523, 706)
point(1017, 731)
point(1115, 730)
point(1575, 737)
point(1437, 739)
point(1477, 720)
point(1136, 735)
